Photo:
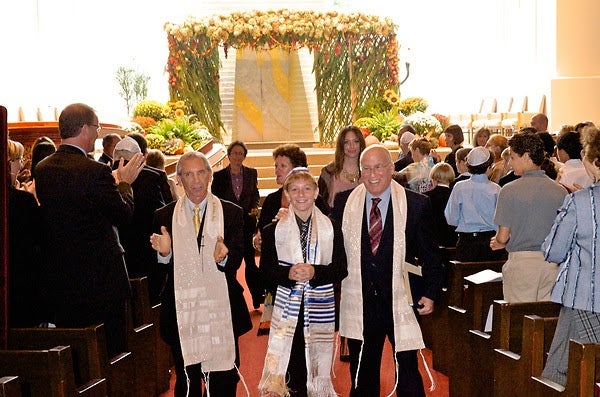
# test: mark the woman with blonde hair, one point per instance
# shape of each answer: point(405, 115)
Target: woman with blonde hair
point(15, 160)
point(497, 143)
point(481, 137)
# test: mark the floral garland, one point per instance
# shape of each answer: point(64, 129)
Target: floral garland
point(356, 57)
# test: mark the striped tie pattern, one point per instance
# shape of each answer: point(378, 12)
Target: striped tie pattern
point(375, 227)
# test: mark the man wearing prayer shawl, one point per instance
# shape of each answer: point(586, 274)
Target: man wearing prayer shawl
point(203, 312)
point(385, 226)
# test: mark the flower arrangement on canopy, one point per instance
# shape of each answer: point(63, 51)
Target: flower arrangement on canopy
point(355, 58)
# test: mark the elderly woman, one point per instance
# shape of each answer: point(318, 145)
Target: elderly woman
point(573, 243)
point(303, 254)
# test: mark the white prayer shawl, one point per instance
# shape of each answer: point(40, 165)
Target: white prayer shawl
point(319, 301)
point(201, 295)
point(407, 333)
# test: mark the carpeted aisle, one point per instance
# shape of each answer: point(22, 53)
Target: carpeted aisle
point(253, 348)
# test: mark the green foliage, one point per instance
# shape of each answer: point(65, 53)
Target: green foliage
point(150, 108)
point(134, 86)
point(412, 105)
point(155, 141)
point(382, 125)
point(186, 128)
point(373, 105)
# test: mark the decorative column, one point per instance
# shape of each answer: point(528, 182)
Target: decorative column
point(574, 92)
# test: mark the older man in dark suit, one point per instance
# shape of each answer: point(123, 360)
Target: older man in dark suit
point(148, 197)
point(239, 184)
point(81, 205)
point(203, 312)
point(384, 227)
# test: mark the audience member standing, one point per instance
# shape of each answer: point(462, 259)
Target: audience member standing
point(572, 175)
point(415, 176)
point(165, 187)
point(405, 155)
point(461, 166)
point(109, 141)
point(497, 143)
point(81, 205)
point(156, 159)
point(481, 136)
point(27, 300)
point(442, 176)
point(454, 138)
point(304, 256)
point(524, 214)
point(471, 209)
point(540, 122)
point(147, 197)
point(199, 239)
point(343, 172)
point(239, 184)
point(573, 243)
point(385, 225)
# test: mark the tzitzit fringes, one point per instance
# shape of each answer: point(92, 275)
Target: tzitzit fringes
point(187, 382)
point(242, 379)
point(362, 343)
point(429, 374)
point(207, 382)
point(396, 376)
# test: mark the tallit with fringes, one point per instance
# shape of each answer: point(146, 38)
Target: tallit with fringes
point(407, 332)
point(319, 311)
point(201, 296)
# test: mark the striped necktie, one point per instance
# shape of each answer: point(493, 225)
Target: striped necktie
point(375, 227)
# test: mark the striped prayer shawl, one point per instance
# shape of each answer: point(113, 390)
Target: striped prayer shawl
point(318, 311)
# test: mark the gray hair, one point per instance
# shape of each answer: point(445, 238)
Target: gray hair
point(188, 155)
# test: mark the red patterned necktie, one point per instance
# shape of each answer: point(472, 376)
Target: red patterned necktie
point(375, 227)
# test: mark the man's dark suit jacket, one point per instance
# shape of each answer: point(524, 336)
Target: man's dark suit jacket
point(420, 242)
point(232, 219)
point(105, 158)
point(135, 236)
point(400, 164)
point(81, 205)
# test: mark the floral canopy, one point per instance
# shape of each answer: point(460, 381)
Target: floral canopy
point(355, 58)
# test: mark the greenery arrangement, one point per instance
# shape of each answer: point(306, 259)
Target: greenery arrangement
point(426, 125)
point(411, 105)
point(172, 136)
point(355, 59)
point(151, 108)
point(133, 84)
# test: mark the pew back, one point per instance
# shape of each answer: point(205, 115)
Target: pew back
point(41, 372)
point(10, 386)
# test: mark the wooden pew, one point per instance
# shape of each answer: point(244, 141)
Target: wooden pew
point(90, 356)
point(435, 325)
point(453, 294)
point(141, 338)
point(513, 371)
point(10, 386)
point(473, 315)
point(507, 333)
point(47, 373)
point(582, 375)
point(145, 313)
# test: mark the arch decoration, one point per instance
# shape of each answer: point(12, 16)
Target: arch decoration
point(355, 59)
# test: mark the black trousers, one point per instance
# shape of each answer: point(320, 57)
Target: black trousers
point(474, 247)
point(251, 271)
point(221, 383)
point(409, 378)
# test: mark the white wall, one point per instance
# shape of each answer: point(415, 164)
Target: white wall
point(62, 51)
